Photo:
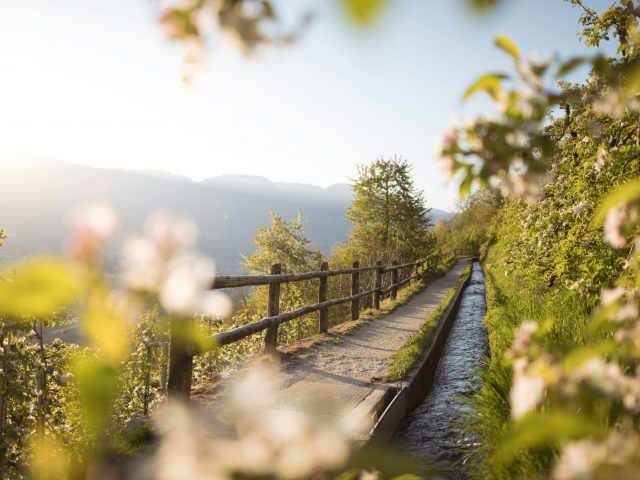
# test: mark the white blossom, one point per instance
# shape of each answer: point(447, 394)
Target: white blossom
point(583, 459)
point(185, 278)
point(214, 304)
point(601, 159)
point(526, 391)
point(259, 438)
point(170, 233)
point(611, 295)
point(91, 226)
point(578, 460)
point(615, 220)
point(580, 207)
point(142, 264)
point(522, 339)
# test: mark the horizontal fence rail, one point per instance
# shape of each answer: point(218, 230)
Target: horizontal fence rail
point(257, 280)
point(182, 351)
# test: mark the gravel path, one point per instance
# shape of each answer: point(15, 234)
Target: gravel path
point(365, 353)
point(339, 376)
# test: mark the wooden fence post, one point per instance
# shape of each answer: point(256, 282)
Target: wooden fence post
point(273, 308)
point(355, 289)
point(180, 361)
point(394, 280)
point(378, 285)
point(322, 297)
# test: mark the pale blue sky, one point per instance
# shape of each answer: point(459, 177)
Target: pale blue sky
point(94, 82)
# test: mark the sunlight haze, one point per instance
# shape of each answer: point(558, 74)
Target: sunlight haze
point(96, 83)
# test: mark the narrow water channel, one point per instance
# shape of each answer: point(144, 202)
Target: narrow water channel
point(429, 433)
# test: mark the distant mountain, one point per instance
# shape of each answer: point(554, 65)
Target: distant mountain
point(339, 193)
point(35, 194)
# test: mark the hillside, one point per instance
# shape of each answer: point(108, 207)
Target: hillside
point(36, 193)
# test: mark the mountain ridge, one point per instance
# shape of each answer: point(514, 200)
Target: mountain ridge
point(36, 194)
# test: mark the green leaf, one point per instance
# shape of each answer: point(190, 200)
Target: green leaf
point(631, 84)
point(482, 6)
point(98, 385)
point(508, 45)
point(627, 193)
point(552, 429)
point(37, 288)
point(466, 183)
point(570, 65)
point(489, 83)
point(579, 356)
point(364, 11)
point(389, 463)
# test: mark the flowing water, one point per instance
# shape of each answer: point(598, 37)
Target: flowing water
point(429, 434)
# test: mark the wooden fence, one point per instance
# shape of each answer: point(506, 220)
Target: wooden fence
point(182, 350)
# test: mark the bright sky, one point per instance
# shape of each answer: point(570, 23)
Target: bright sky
point(94, 82)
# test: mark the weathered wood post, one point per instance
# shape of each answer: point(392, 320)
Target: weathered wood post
point(273, 309)
point(322, 297)
point(394, 280)
point(180, 360)
point(355, 289)
point(378, 285)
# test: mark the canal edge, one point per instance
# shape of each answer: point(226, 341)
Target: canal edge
point(419, 382)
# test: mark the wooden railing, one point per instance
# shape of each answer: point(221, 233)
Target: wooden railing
point(182, 350)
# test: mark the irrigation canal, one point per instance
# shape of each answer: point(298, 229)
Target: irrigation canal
point(429, 434)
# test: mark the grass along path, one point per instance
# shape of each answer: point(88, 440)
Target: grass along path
point(510, 302)
point(407, 356)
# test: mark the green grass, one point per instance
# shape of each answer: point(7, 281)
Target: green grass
point(511, 301)
point(407, 356)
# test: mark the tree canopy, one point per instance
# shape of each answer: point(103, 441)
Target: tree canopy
point(388, 213)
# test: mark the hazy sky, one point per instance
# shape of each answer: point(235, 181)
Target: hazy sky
point(94, 82)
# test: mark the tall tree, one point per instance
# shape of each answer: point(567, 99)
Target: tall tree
point(284, 242)
point(388, 214)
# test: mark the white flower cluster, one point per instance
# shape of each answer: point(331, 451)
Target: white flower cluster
point(257, 438)
point(581, 458)
point(91, 227)
point(162, 262)
point(617, 218)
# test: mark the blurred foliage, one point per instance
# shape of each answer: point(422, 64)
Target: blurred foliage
point(469, 231)
point(512, 149)
point(560, 396)
point(364, 11)
point(29, 293)
point(483, 6)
